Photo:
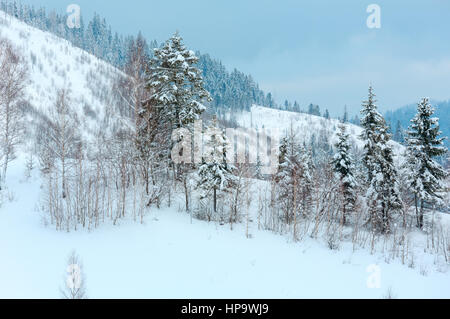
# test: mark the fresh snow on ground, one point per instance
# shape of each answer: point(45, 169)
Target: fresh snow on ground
point(168, 257)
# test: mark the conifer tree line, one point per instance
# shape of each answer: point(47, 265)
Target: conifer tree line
point(230, 90)
point(314, 109)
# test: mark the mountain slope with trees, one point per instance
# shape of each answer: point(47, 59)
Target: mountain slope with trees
point(230, 90)
point(104, 166)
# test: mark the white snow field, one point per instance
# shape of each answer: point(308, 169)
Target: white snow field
point(168, 256)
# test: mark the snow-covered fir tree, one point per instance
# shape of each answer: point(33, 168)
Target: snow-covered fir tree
point(287, 178)
point(343, 166)
point(214, 173)
point(425, 175)
point(371, 121)
point(177, 92)
point(176, 83)
point(282, 151)
point(294, 179)
point(382, 194)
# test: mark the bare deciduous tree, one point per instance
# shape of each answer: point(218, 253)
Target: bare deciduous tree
point(13, 76)
point(63, 136)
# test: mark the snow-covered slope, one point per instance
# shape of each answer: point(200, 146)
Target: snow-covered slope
point(54, 63)
point(305, 125)
point(170, 257)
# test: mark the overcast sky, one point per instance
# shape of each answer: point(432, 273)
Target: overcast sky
point(310, 51)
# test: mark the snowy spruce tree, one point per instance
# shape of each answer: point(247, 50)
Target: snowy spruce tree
point(214, 173)
point(176, 84)
point(294, 180)
point(287, 178)
point(176, 99)
point(343, 167)
point(371, 121)
point(424, 174)
point(382, 195)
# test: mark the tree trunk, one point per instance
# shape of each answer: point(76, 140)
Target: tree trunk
point(146, 177)
point(344, 219)
point(294, 209)
point(417, 211)
point(63, 179)
point(215, 200)
point(186, 193)
point(421, 215)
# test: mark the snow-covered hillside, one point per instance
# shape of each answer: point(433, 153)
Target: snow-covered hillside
point(305, 125)
point(53, 64)
point(171, 255)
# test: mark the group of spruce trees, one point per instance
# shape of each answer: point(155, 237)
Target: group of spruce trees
point(423, 174)
point(176, 100)
point(377, 182)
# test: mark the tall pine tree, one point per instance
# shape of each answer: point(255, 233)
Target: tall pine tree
point(294, 178)
point(370, 121)
point(425, 175)
point(382, 194)
point(176, 83)
point(343, 166)
point(214, 173)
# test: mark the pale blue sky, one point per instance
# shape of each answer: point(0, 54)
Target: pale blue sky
point(312, 51)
